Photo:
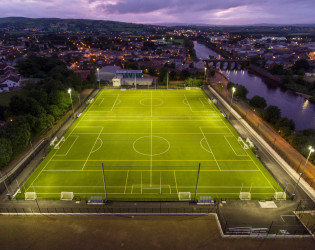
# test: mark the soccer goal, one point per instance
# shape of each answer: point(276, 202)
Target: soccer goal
point(66, 196)
point(59, 142)
point(245, 196)
point(280, 196)
point(251, 144)
point(184, 196)
point(244, 143)
point(53, 141)
point(30, 196)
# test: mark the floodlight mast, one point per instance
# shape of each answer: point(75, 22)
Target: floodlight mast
point(311, 149)
point(98, 78)
point(205, 75)
point(233, 90)
point(69, 92)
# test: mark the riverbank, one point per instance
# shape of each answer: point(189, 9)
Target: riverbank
point(283, 148)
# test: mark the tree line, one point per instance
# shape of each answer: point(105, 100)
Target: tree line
point(40, 106)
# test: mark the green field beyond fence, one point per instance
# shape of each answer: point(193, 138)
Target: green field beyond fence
point(151, 143)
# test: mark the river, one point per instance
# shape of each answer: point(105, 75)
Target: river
point(293, 106)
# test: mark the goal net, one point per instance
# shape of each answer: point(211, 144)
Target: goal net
point(280, 196)
point(57, 146)
point(53, 141)
point(245, 196)
point(184, 196)
point(30, 196)
point(244, 143)
point(66, 196)
point(251, 144)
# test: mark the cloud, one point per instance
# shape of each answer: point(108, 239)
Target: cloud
point(161, 11)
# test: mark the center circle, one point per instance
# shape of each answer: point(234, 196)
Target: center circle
point(151, 102)
point(151, 145)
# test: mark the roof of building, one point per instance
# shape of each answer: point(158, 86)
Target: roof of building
point(128, 71)
point(110, 69)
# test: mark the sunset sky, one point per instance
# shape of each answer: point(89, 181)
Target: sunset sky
point(168, 11)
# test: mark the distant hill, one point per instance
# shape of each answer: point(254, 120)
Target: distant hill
point(20, 24)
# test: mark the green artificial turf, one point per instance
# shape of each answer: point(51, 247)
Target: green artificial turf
point(151, 143)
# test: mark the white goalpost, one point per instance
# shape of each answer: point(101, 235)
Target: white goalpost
point(30, 196)
point(66, 196)
point(245, 196)
point(251, 144)
point(52, 143)
point(59, 142)
point(184, 196)
point(280, 196)
point(244, 143)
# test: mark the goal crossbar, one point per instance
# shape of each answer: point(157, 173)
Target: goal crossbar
point(280, 196)
point(66, 196)
point(57, 146)
point(246, 196)
point(184, 196)
point(30, 196)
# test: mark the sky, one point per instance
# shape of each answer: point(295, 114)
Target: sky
point(215, 12)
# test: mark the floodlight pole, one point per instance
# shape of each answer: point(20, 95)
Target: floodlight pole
point(197, 183)
point(98, 78)
point(311, 149)
point(104, 183)
point(233, 90)
point(167, 80)
point(69, 91)
point(135, 81)
point(205, 75)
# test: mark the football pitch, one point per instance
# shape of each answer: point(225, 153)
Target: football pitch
point(151, 143)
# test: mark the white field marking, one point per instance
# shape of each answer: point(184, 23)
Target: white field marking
point(151, 150)
point(185, 102)
point(146, 106)
point(162, 116)
point(137, 170)
point(146, 186)
point(70, 146)
point(134, 148)
point(143, 133)
point(201, 102)
point(207, 150)
point(238, 187)
point(232, 147)
point(163, 160)
point(210, 148)
point(151, 115)
point(254, 163)
point(101, 102)
point(126, 181)
point(191, 107)
point(114, 103)
point(137, 120)
point(99, 146)
point(92, 148)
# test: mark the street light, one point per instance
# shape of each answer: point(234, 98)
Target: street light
point(98, 78)
point(205, 75)
point(69, 92)
point(311, 149)
point(233, 90)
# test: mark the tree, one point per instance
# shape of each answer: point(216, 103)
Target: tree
point(5, 151)
point(241, 92)
point(193, 82)
point(272, 114)
point(19, 133)
point(301, 64)
point(258, 102)
point(285, 122)
point(163, 75)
